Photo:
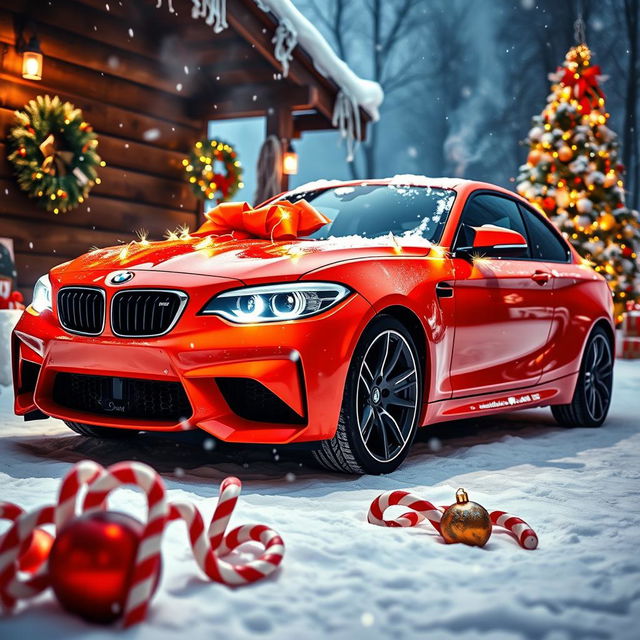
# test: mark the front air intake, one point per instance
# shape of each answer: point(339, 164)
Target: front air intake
point(251, 400)
point(156, 400)
point(81, 310)
point(145, 313)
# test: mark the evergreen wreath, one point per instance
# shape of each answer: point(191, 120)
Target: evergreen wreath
point(53, 152)
point(200, 169)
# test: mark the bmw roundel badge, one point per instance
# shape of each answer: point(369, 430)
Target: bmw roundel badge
point(120, 277)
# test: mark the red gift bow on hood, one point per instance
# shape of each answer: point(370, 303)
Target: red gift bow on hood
point(281, 220)
point(585, 86)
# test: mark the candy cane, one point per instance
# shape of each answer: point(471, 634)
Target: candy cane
point(209, 548)
point(520, 530)
point(147, 562)
point(425, 510)
point(16, 540)
point(420, 510)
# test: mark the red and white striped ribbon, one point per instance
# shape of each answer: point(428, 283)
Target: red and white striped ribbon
point(209, 546)
point(424, 510)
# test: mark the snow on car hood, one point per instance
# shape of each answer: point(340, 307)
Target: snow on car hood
point(245, 260)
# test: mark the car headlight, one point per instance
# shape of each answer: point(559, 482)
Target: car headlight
point(41, 295)
point(276, 302)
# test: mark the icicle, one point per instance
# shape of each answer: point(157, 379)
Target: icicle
point(214, 12)
point(285, 41)
point(169, 4)
point(346, 117)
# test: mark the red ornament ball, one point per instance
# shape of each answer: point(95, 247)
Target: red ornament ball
point(37, 552)
point(549, 203)
point(91, 564)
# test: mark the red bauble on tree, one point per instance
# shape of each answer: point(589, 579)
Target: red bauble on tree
point(91, 564)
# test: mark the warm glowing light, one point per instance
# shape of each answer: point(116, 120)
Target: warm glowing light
point(32, 61)
point(142, 236)
point(290, 162)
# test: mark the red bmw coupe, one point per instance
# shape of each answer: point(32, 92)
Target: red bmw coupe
point(421, 301)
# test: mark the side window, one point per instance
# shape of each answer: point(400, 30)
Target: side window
point(489, 209)
point(544, 243)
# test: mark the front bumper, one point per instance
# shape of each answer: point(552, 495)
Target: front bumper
point(303, 363)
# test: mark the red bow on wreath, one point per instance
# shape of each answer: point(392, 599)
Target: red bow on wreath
point(585, 87)
point(281, 220)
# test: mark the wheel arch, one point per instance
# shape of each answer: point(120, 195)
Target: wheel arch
point(411, 321)
point(608, 329)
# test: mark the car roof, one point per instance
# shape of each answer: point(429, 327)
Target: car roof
point(457, 184)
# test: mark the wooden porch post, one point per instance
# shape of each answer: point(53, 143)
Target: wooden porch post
point(280, 124)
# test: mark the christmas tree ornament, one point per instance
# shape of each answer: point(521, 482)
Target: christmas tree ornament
point(101, 580)
point(564, 153)
point(466, 522)
point(422, 510)
point(91, 564)
point(534, 157)
point(53, 152)
point(213, 170)
point(581, 189)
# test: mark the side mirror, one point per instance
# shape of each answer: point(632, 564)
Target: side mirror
point(491, 242)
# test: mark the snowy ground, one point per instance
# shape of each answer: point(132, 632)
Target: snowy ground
point(343, 578)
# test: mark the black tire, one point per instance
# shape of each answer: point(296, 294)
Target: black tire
point(93, 431)
point(592, 395)
point(389, 420)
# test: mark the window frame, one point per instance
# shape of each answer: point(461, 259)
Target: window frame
point(507, 196)
point(551, 228)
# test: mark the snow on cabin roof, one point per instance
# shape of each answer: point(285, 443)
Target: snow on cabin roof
point(293, 29)
point(366, 93)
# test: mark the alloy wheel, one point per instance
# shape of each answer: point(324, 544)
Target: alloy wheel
point(598, 377)
point(387, 395)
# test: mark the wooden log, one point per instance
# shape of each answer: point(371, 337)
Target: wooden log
point(100, 24)
point(85, 52)
point(98, 212)
point(64, 76)
point(252, 100)
point(105, 118)
point(135, 185)
point(56, 238)
point(123, 155)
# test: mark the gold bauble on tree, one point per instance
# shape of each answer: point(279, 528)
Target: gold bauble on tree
point(564, 153)
point(534, 157)
point(606, 221)
point(466, 522)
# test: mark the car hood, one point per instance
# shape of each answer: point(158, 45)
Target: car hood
point(246, 260)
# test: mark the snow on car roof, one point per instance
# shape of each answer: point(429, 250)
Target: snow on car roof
point(406, 179)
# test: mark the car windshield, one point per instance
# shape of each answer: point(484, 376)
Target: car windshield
point(374, 210)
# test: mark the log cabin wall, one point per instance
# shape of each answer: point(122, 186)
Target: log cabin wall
point(135, 107)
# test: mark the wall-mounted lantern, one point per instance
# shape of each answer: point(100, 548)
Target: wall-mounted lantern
point(32, 60)
point(290, 161)
point(30, 49)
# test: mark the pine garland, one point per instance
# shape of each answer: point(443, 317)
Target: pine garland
point(53, 151)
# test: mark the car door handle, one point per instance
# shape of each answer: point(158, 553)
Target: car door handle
point(444, 290)
point(541, 277)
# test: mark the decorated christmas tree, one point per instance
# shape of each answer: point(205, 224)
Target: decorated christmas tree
point(573, 175)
